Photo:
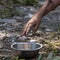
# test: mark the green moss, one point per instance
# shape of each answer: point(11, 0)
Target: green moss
point(8, 7)
point(31, 2)
point(26, 2)
point(5, 13)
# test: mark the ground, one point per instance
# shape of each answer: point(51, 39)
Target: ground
point(10, 29)
point(10, 32)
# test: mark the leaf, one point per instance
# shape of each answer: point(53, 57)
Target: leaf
point(17, 58)
point(56, 58)
point(40, 57)
point(50, 56)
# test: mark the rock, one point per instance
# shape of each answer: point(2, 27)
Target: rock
point(47, 33)
point(13, 21)
point(9, 28)
point(2, 34)
point(56, 38)
point(26, 12)
point(1, 7)
point(18, 18)
point(41, 2)
point(48, 30)
point(1, 45)
point(41, 38)
point(23, 38)
point(1, 25)
point(28, 16)
point(18, 28)
point(34, 41)
point(32, 9)
point(11, 35)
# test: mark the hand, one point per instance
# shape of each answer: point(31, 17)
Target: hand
point(32, 24)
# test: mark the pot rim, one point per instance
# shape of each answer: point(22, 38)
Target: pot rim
point(26, 43)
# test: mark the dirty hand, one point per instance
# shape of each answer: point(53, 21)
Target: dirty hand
point(32, 24)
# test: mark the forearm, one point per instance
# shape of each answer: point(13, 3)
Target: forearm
point(51, 7)
point(46, 8)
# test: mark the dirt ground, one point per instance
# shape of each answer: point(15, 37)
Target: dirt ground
point(10, 32)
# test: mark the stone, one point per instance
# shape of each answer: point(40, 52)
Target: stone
point(9, 28)
point(23, 38)
point(34, 41)
point(48, 30)
point(41, 38)
point(28, 16)
point(17, 17)
point(1, 45)
point(2, 34)
point(9, 21)
point(56, 38)
point(11, 34)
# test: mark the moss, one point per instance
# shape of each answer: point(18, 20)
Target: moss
point(5, 13)
point(31, 2)
point(8, 9)
point(26, 2)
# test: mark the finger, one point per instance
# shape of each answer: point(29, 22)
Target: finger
point(35, 28)
point(24, 30)
point(28, 28)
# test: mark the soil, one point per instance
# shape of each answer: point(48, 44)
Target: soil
point(10, 33)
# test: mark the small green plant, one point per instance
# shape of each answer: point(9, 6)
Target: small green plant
point(40, 57)
point(50, 56)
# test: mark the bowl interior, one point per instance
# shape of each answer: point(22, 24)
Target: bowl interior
point(26, 46)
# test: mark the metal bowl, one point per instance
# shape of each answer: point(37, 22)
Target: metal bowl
point(27, 50)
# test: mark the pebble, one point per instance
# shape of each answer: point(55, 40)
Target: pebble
point(41, 38)
point(28, 16)
point(17, 18)
point(11, 35)
point(34, 41)
point(22, 38)
point(56, 38)
point(1, 45)
point(2, 34)
point(12, 21)
point(48, 30)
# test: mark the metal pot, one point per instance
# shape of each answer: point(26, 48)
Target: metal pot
point(27, 50)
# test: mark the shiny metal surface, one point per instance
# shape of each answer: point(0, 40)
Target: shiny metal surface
point(26, 46)
point(27, 49)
